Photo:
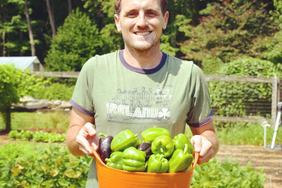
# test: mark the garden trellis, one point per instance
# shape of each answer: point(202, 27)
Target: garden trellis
point(234, 99)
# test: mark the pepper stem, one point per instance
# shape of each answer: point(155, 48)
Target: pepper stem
point(185, 148)
point(161, 150)
point(103, 135)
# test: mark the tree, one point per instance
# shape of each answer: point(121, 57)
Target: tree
point(51, 17)
point(32, 45)
point(76, 41)
point(12, 25)
point(14, 84)
point(227, 33)
point(69, 6)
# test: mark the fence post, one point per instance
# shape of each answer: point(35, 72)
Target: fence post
point(275, 99)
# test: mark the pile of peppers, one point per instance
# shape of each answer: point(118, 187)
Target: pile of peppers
point(158, 152)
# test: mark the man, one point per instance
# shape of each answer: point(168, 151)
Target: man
point(177, 92)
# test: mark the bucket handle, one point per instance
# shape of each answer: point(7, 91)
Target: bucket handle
point(96, 155)
point(197, 153)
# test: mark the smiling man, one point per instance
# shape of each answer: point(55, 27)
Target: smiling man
point(139, 87)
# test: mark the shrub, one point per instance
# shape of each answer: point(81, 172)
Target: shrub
point(56, 91)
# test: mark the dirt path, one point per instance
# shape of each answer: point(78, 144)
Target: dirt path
point(270, 160)
point(260, 157)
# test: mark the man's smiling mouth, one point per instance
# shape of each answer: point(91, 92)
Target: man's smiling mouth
point(142, 33)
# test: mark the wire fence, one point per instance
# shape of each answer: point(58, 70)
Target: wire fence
point(234, 99)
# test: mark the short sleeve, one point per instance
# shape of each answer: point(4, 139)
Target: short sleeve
point(200, 112)
point(82, 94)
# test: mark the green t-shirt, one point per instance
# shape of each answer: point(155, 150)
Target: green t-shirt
point(120, 96)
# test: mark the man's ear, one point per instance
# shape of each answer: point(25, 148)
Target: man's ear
point(166, 15)
point(117, 23)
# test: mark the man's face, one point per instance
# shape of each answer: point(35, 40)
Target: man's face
point(141, 23)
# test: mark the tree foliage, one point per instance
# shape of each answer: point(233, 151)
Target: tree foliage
point(227, 33)
point(15, 84)
point(76, 41)
point(12, 22)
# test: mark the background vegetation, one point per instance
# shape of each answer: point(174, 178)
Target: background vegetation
point(209, 32)
point(223, 37)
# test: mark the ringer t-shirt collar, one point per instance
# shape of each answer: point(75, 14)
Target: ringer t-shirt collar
point(142, 71)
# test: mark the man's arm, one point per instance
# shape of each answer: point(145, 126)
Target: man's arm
point(81, 133)
point(205, 140)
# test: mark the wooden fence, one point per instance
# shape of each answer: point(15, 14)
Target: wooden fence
point(274, 81)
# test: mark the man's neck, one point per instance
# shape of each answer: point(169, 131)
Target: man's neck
point(143, 59)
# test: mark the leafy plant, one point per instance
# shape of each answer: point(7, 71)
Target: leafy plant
point(21, 166)
point(38, 136)
point(53, 167)
point(228, 174)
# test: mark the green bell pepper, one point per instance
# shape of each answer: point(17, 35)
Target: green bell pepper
point(180, 160)
point(163, 145)
point(150, 134)
point(180, 140)
point(115, 160)
point(157, 163)
point(134, 159)
point(123, 140)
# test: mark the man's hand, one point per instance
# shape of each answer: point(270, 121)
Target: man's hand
point(204, 147)
point(81, 134)
point(86, 138)
point(205, 141)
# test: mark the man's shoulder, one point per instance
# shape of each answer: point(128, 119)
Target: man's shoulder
point(108, 56)
point(174, 59)
point(99, 62)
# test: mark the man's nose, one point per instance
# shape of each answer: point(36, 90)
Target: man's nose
point(141, 20)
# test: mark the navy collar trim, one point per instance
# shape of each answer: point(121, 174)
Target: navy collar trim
point(142, 71)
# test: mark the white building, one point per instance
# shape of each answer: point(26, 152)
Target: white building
point(31, 63)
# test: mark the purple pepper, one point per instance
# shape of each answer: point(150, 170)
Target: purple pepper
point(104, 148)
point(146, 147)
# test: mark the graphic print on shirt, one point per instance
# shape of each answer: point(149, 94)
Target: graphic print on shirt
point(140, 103)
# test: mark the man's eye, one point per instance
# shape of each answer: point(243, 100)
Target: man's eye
point(131, 14)
point(151, 13)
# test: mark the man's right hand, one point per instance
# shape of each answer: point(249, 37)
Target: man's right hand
point(87, 138)
point(81, 134)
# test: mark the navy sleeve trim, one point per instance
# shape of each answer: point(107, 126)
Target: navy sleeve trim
point(74, 104)
point(205, 121)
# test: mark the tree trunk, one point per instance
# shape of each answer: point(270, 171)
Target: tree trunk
point(70, 6)
point(7, 118)
point(32, 45)
point(3, 46)
point(51, 18)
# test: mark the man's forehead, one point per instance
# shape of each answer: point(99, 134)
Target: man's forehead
point(140, 4)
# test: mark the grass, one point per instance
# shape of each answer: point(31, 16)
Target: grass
point(250, 134)
point(56, 121)
point(230, 133)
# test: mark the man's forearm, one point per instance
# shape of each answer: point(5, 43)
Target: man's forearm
point(73, 146)
point(212, 137)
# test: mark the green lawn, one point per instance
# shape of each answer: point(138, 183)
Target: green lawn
point(245, 134)
point(28, 120)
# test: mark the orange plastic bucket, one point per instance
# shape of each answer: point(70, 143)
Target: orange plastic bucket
point(109, 177)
